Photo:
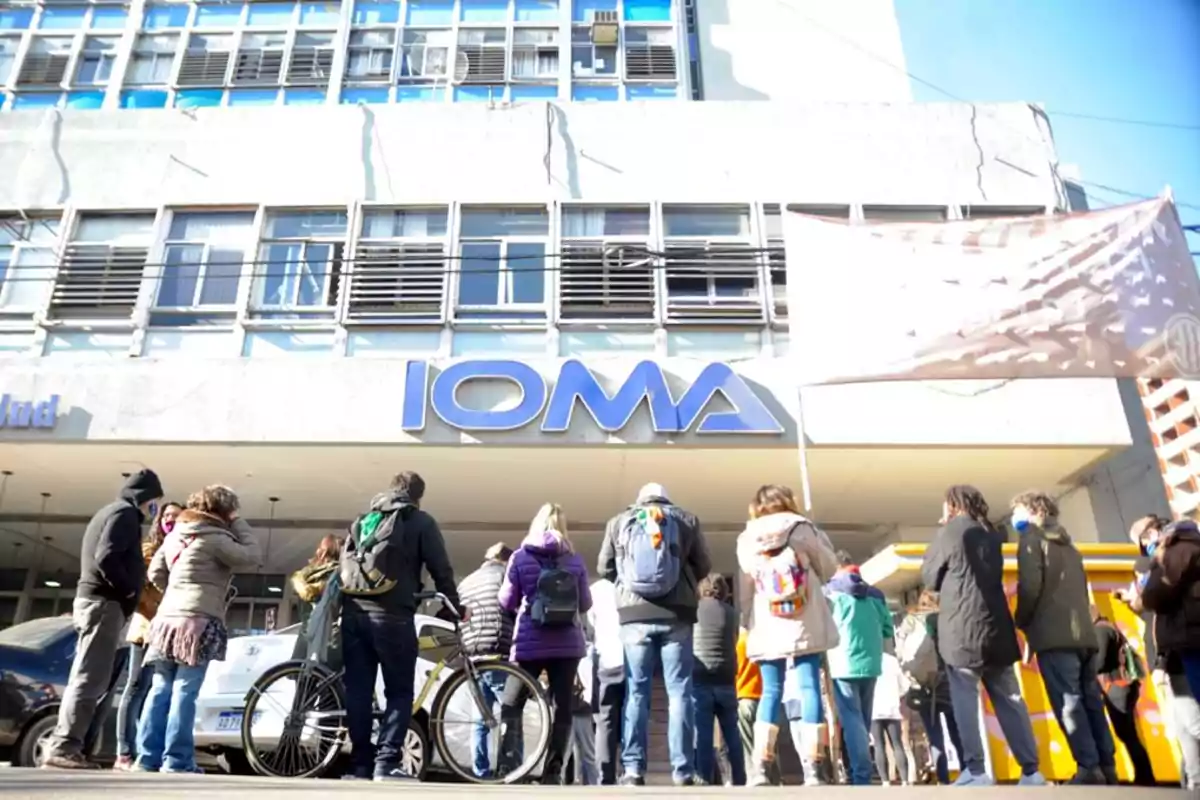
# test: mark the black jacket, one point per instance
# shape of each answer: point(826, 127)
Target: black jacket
point(1172, 589)
point(965, 566)
point(490, 628)
point(421, 545)
point(714, 643)
point(1107, 662)
point(1053, 606)
point(110, 559)
point(679, 605)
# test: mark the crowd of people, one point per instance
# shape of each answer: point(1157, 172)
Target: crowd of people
point(809, 647)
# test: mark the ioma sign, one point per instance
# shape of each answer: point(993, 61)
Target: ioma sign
point(576, 386)
point(24, 414)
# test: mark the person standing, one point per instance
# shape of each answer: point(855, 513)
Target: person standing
point(655, 553)
point(929, 690)
point(864, 624)
point(309, 584)
point(583, 719)
point(111, 574)
point(976, 637)
point(140, 674)
point(546, 586)
point(1054, 611)
point(1172, 591)
point(1120, 672)
point(749, 694)
point(608, 682)
point(380, 576)
point(785, 561)
point(194, 570)
point(487, 632)
point(886, 718)
point(713, 679)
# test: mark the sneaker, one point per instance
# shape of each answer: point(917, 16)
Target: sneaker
point(123, 764)
point(629, 779)
point(689, 781)
point(394, 774)
point(187, 771)
point(972, 779)
point(1036, 779)
point(138, 766)
point(73, 761)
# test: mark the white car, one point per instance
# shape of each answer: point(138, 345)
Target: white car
point(222, 700)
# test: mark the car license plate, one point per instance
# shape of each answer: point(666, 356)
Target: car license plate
point(229, 721)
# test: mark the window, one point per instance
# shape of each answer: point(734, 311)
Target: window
point(46, 62)
point(369, 55)
point(260, 59)
point(14, 18)
point(96, 61)
point(218, 15)
point(712, 269)
point(27, 261)
point(399, 272)
point(160, 17)
point(376, 12)
point(607, 271)
point(302, 263)
point(312, 59)
point(8, 56)
point(535, 54)
point(206, 60)
point(101, 270)
point(589, 59)
point(649, 54)
point(502, 263)
point(425, 55)
point(152, 58)
point(904, 213)
point(536, 10)
point(202, 261)
point(998, 212)
point(486, 53)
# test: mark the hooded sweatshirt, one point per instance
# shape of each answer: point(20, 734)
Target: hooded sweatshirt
point(532, 642)
point(110, 557)
point(772, 637)
point(863, 623)
point(1053, 607)
point(1172, 589)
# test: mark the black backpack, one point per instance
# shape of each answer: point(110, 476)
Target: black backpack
point(556, 597)
point(364, 564)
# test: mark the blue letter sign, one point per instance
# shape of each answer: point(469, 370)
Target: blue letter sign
point(576, 385)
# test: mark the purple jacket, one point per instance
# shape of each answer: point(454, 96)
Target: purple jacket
point(532, 642)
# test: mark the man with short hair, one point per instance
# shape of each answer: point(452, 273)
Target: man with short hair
point(380, 573)
point(655, 553)
point(1054, 611)
point(487, 632)
point(111, 574)
point(714, 676)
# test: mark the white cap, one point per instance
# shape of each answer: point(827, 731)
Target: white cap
point(651, 491)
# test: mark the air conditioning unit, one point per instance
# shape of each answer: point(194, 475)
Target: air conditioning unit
point(606, 27)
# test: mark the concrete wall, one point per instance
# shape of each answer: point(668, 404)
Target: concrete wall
point(801, 50)
point(684, 152)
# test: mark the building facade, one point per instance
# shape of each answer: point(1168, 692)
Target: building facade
point(531, 249)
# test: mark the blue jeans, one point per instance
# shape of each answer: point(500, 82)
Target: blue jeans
point(1075, 696)
point(133, 699)
point(803, 673)
point(372, 642)
point(1011, 713)
point(165, 732)
point(645, 643)
point(491, 686)
point(1191, 670)
point(853, 698)
point(719, 702)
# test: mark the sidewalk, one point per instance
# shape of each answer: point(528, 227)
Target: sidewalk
point(18, 784)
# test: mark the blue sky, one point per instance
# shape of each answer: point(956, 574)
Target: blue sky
point(1134, 59)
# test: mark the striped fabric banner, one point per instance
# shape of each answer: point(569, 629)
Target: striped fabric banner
point(1109, 293)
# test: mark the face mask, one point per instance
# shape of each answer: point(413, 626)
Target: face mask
point(1021, 525)
point(153, 510)
point(1149, 547)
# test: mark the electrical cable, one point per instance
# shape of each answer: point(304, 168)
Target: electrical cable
point(1125, 120)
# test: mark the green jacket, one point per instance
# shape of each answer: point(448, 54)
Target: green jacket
point(864, 624)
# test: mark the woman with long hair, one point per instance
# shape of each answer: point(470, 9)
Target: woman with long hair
point(309, 582)
point(785, 560)
point(137, 684)
point(546, 586)
point(194, 569)
point(976, 636)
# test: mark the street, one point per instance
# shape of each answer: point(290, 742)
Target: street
point(16, 784)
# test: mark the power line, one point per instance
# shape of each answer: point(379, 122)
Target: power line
point(1125, 120)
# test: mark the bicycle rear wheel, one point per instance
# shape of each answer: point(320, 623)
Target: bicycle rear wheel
point(294, 722)
point(462, 736)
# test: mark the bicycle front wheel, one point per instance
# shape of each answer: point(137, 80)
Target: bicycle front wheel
point(294, 722)
point(472, 737)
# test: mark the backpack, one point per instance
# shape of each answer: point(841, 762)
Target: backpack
point(363, 566)
point(917, 654)
point(648, 544)
point(782, 581)
point(555, 601)
point(1129, 663)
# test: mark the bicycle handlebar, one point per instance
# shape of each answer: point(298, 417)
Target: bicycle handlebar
point(422, 596)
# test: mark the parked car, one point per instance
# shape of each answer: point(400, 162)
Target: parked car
point(35, 660)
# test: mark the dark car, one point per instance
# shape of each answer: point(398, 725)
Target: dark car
point(35, 660)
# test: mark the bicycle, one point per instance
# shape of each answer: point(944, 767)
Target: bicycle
point(312, 729)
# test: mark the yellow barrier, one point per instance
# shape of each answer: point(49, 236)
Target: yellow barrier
point(1109, 567)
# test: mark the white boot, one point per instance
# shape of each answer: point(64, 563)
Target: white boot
point(763, 755)
point(810, 739)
